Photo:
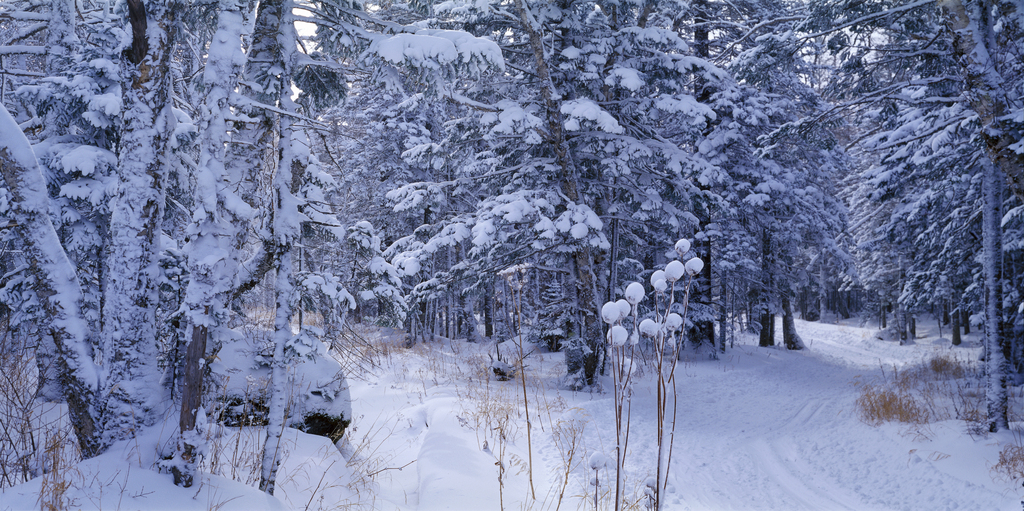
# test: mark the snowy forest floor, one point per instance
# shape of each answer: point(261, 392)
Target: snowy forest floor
point(760, 428)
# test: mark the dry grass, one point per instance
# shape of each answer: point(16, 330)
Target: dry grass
point(947, 367)
point(58, 473)
point(879, 404)
point(1010, 466)
point(35, 436)
point(942, 388)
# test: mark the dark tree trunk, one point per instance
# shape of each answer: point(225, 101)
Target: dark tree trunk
point(723, 314)
point(191, 399)
point(789, 337)
point(489, 310)
point(956, 327)
point(767, 329)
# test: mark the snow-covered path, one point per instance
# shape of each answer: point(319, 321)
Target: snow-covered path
point(762, 428)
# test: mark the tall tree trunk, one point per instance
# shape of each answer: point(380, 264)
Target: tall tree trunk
point(789, 337)
point(956, 327)
point(822, 291)
point(767, 285)
point(995, 333)
point(702, 293)
point(220, 221)
point(131, 391)
point(488, 305)
point(883, 314)
point(57, 285)
point(723, 314)
point(767, 337)
point(583, 359)
point(61, 46)
point(286, 228)
point(975, 41)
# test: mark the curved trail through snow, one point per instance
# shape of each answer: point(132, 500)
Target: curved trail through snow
point(759, 429)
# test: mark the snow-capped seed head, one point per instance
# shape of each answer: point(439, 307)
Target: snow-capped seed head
point(660, 286)
point(634, 293)
point(610, 312)
point(682, 247)
point(656, 276)
point(674, 271)
point(624, 308)
point(619, 335)
point(649, 327)
point(599, 461)
point(673, 322)
point(694, 266)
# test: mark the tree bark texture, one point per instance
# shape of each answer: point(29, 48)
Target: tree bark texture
point(989, 95)
point(57, 284)
point(130, 392)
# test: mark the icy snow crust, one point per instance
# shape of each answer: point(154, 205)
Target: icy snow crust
point(762, 428)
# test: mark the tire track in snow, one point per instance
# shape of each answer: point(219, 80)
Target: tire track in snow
point(803, 492)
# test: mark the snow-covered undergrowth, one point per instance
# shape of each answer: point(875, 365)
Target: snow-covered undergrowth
point(760, 428)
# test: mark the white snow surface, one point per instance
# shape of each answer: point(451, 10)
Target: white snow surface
point(760, 428)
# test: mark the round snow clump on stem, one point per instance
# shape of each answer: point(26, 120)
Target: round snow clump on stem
point(660, 286)
point(694, 266)
point(599, 461)
point(682, 247)
point(610, 312)
point(656, 276)
point(619, 335)
point(634, 293)
point(649, 327)
point(673, 322)
point(624, 308)
point(674, 271)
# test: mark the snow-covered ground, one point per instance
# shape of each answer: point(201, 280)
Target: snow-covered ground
point(761, 428)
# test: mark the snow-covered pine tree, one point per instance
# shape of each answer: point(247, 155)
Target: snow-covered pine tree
point(587, 140)
point(555, 320)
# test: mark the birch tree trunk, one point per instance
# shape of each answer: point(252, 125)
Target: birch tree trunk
point(285, 231)
point(131, 391)
point(995, 335)
point(975, 42)
point(57, 284)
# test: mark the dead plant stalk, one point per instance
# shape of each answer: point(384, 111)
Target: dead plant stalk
point(516, 284)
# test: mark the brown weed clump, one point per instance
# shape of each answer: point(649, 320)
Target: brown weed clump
point(878, 404)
